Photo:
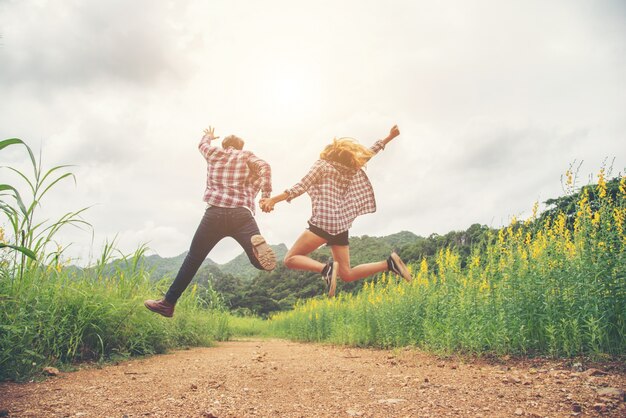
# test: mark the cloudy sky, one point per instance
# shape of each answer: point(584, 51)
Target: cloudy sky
point(494, 100)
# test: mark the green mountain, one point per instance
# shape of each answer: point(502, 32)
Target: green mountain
point(240, 266)
point(168, 267)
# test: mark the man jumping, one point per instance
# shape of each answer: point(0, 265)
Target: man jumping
point(234, 178)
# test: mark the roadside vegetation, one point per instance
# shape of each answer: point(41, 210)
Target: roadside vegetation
point(554, 284)
point(52, 314)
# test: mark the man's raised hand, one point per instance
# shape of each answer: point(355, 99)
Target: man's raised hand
point(210, 133)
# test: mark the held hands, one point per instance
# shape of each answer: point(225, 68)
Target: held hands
point(210, 133)
point(267, 204)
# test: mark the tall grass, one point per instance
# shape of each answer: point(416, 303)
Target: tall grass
point(53, 314)
point(247, 326)
point(554, 286)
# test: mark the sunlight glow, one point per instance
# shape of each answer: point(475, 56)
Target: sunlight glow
point(295, 95)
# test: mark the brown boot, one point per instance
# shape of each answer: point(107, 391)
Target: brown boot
point(263, 252)
point(161, 307)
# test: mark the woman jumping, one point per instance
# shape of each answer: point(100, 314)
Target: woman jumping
point(340, 191)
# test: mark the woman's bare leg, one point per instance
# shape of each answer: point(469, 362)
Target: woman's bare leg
point(341, 254)
point(296, 258)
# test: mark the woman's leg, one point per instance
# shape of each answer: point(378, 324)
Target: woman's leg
point(296, 258)
point(341, 254)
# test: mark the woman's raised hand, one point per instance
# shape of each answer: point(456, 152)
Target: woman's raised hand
point(394, 131)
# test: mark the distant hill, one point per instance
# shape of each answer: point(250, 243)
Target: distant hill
point(400, 239)
point(161, 267)
point(240, 266)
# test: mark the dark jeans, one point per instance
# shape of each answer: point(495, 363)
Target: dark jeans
point(216, 224)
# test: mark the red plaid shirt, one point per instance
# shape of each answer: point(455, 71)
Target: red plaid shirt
point(338, 194)
point(234, 177)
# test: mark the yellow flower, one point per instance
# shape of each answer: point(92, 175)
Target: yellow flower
point(533, 216)
point(569, 176)
point(595, 220)
point(422, 275)
point(619, 217)
point(538, 245)
point(1, 235)
point(559, 224)
point(601, 184)
point(584, 210)
point(622, 185)
point(501, 237)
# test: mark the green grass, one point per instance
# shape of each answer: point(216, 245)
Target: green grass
point(53, 318)
point(249, 326)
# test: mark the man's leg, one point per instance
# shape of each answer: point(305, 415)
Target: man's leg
point(244, 229)
point(208, 234)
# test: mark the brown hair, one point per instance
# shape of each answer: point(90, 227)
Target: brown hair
point(232, 141)
point(348, 152)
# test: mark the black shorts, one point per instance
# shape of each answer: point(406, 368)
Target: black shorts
point(339, 239)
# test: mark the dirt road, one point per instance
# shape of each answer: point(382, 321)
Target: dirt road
point(275, 378)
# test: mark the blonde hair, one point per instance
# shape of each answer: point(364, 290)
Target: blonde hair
point(347, 151)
